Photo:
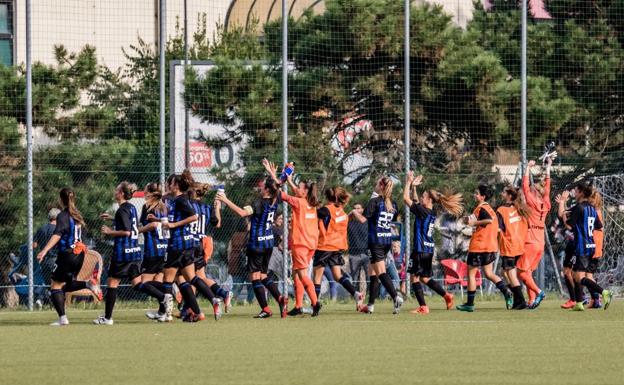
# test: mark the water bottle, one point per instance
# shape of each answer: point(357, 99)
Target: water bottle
point(165, 231)
point(287, 171)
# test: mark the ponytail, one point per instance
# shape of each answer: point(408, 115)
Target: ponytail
point(271, 187)
point(518, 200)
point(386, 185)
point(200, 190)
point(341, 196)
point(184, 181)
point(595, 199)
point(451, 203)
point(127, 189)
point(312, 195)
point(68, 200)
point(153, 198)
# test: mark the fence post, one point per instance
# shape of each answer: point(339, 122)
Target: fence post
point(407, 127)
point(285, 137)
point(523, 96)
point(187, 149)
point(29, 151)
point(162, 42)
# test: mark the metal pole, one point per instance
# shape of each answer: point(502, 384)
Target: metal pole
point(407, 127)
point(523, 96)
point(29, 151)
point(162, 38)
point(187, 149)
point(285, 135)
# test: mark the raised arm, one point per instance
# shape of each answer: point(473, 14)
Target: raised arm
point(239, 211)
point(407, 189)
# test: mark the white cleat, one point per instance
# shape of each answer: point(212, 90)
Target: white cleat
point(398, 302)
point(62, 321)
point(164, 318)
point(95, 289)
point(168, 302)
point(359, 300)
point(101, 320)
point(153, 315)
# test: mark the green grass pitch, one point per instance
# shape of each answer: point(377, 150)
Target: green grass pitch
point(490, 346)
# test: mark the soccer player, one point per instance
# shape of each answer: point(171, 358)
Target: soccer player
point(568, 261)
point(262, 212)
point(595, 200)
point(67, 238)
point(380, 211)
point(512, 223)
point(538, 200)
point(420, 264)
point(332, 243)
point(303, 236)
point(126, 259)
point(584, 221)
point(483, 247)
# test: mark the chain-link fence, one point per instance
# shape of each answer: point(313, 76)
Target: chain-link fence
point(96, 116)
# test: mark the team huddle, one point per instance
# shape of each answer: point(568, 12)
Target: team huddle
point(178, 226)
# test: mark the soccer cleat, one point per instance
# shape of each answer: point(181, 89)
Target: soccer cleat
point(62, 321)
point(264, 313)
point(227, 302)
point(168, 302)
point(368, 309)
point(508, 299)
point(519, 306)
point(578, 307)
point(538, 300)
point(190, 316)
point(216, 308)
point(595, 303)
point(164, 318)
point(607, 297)
point(295, 311)
point(448, 298)
point(101, 320)
point(283, 306)
point(585, 300)
point(153, 315)
point(95, 288)
point(465, 307)
point(398, 302)
point(359, 300)
point(316, 309)
point(569, 304)
point(421, 310)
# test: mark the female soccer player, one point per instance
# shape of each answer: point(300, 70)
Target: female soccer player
point(584, 221)
point(126, 259)
point(67, 237)
point(420, 264)
point(332, 242)
point(483, 247)
point(595, 200)
point(380, 211)
point(262, 213)
point(538, 200)
point(512, 223)
point(568, 261)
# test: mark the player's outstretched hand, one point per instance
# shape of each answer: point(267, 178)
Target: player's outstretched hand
point(531, 164)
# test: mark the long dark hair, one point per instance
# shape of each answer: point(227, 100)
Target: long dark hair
point(68, 200)
point(312, 195)
point(184, 181)
point(127, 189)
point(153, 198)
point(337, 195)
point(271, 187)
point(518, 200)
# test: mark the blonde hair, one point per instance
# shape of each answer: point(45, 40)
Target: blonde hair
point(386, 185)
point(451, 203)
point(68, 200)
point(153, 201)
point(595, 199)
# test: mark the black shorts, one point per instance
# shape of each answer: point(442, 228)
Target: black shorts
point(568, 260)
point(581, 263)
point(378, 253)
point(328, 258)
point(152, 265)
point(420, 264)
point(121, 270)
point(67, 266)
point(199, 261)
point(258, 260)
point(593, 265)
point(480, 259)
point(509, 263)
point(179, 258)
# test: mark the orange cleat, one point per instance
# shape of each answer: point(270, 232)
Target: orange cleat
point(421, 310)
point(568, 305)
point(448, 298)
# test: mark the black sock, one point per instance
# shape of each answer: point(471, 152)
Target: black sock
point(74, 286)
point(388, 284)
point(471, 297)
point(190, 299)
point(150, 290)
point(220, 292)
point(203, 288)
point(58, 300)
point(167, 287)
point(272, 288)
point(373, 289)
point(346, 283)
point(418, 293)
point(502, 286)
point(158, 286)
point(578, 292)
point(591, 285)
point(518, 297)
point(258, 289)
point(569, 282)
point(111, 297)
point(317, 290)
point(433, 285)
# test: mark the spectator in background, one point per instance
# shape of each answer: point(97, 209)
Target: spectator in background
point(455, 237)
point(358, 250)
point(41, 238)
point(237, 260)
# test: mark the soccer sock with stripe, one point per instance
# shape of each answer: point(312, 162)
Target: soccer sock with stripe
point(502, 286)
point(385, 280)
point(591, 285)
point(203, 288)
point(74, 286)
point(309, 288)
point(189, 297)
point(433, 285)
point(258, 289)
point(471, 297)
point(58, 300)
point(373, 289)
point(272, 288)
point(158, 285)
point(219, 291)
point(167, 287)
point(111, 298)
point(418, 293)
point(346, 283)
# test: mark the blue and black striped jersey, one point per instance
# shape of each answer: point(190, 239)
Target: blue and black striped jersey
point(180, 238)
point(206, 220)
point(261, 235)
point(69, 231)
point(423, 229)
point(127, 248)
point(379, 219)
point(584, 220)
point(155, 242)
